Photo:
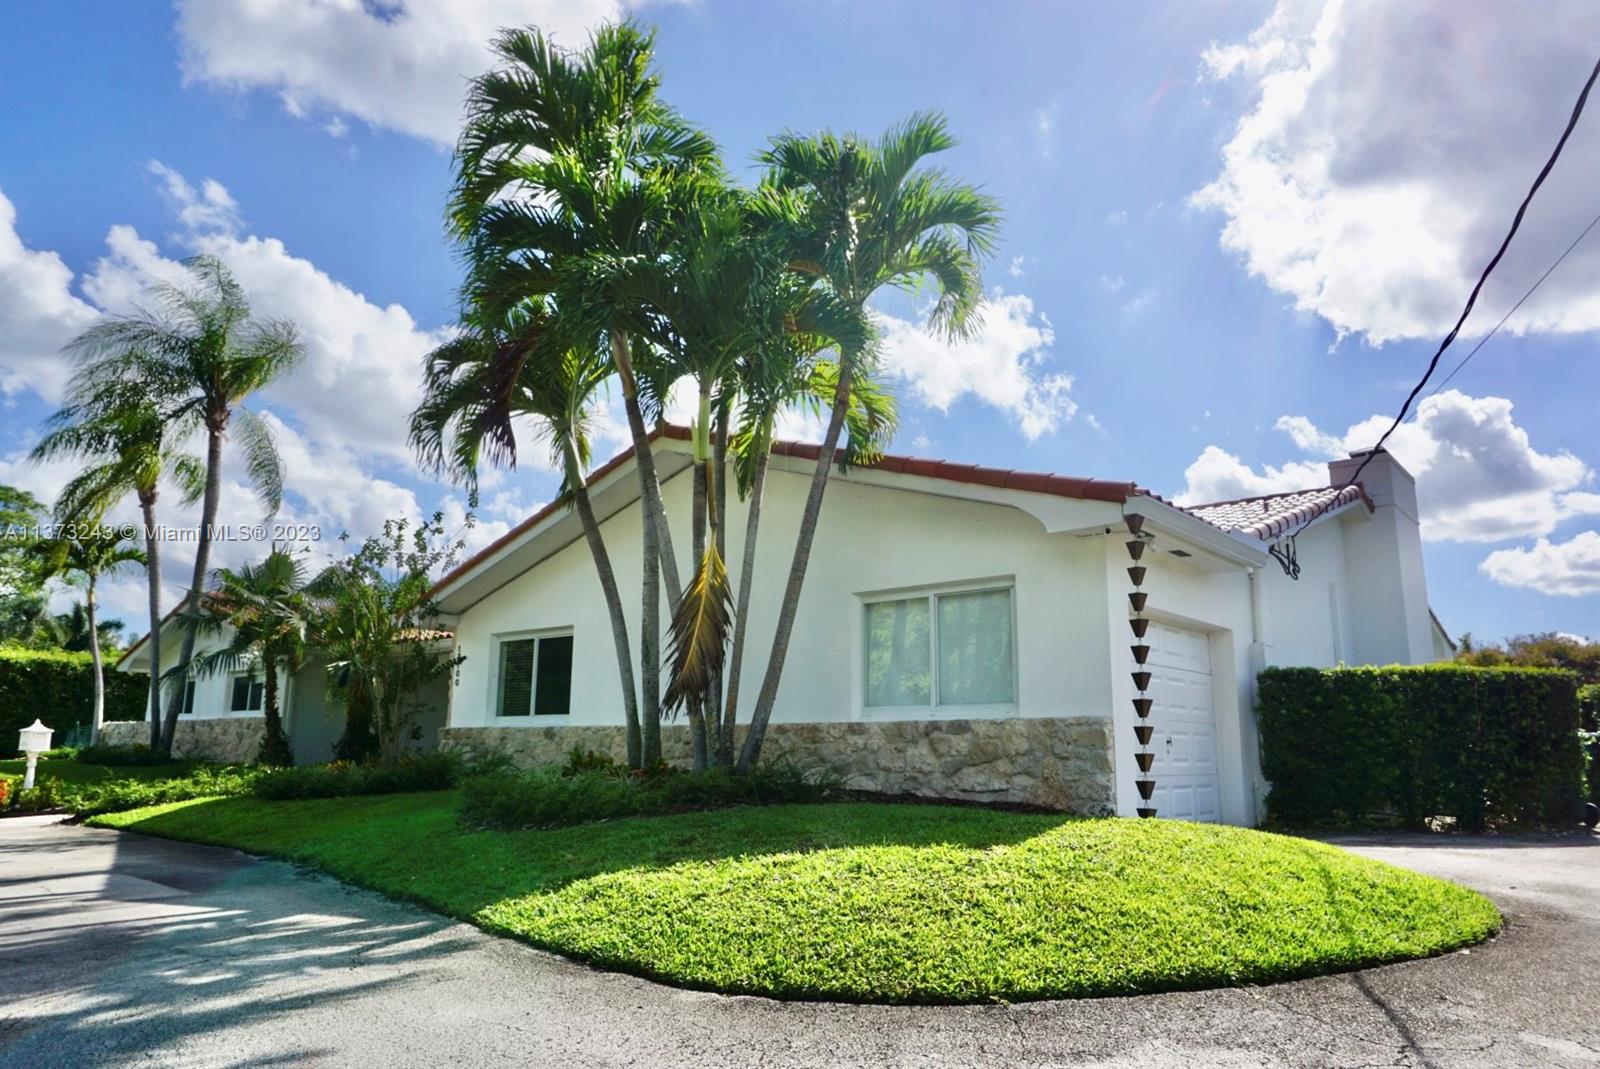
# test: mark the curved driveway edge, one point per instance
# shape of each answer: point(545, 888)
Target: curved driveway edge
point(121, 949)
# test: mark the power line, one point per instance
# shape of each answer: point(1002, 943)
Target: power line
point(1446, 380)
point(1284, 550)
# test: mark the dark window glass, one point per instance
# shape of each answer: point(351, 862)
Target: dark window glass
point(553, 693)
point(516, 677)
point(188, 697)
point(241, 694)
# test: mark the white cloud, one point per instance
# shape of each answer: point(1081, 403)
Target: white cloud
point(1044, 128)
point(1564, 569)
point(1479, 478)
point(1117, 218)
point(1138, 302)
point(1374, 195)
point(209, 208)
point(38, 314)
point(1217, 475)
point(1003, 364)
point(403, 65)
point(1016, 268)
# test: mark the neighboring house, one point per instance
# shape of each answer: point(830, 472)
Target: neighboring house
point(222, 716)
point(964, 630)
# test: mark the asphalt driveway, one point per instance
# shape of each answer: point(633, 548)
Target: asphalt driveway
point(118, 949)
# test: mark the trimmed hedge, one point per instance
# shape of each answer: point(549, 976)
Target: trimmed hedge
point(1589, 717)
point(580, 793)
point(58, 687)
point(424, 772)
point(1486, 746)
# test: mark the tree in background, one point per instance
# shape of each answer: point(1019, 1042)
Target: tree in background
point(24, 617)
point(264, 611)
point(85, 552)
point(117, 430)
point(197, 353)
point(73, 634)
point(374, 622)
point(1548, 649)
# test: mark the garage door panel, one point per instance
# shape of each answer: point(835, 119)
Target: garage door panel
point(1185, 742)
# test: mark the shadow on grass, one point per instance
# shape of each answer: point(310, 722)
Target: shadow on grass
point(413, 846)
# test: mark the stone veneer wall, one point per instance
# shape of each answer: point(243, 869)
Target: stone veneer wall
point(230, 741)
point(1059, 763)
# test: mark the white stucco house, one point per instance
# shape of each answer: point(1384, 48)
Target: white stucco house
point(965, 631)
point(222, 713)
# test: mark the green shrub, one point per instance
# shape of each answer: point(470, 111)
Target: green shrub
point(58, 687)
point(1486, 746)
point(115, 796)
point(580, 760)
point(47, 793)
point(554, 797)
point(135, 755)
point(427, 772)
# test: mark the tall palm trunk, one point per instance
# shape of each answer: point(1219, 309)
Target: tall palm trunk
point(99, 715)
point(650, 651)
point(645, 461)
point(659, 560)
point(202, 562)
point(797, 575)
point(619, 621)
point(747, 572)
point(152, 552)
point(696, 706)
point(721, 740)
point(274, 743)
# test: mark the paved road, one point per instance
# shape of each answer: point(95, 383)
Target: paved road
point(124, 950)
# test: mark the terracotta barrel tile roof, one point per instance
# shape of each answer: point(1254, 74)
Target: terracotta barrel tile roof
point(1272, 514)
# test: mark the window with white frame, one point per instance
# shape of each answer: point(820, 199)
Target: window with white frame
point(535, 676)
point(246, 694)
point(950, 647)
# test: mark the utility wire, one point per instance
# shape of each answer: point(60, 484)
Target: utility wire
point(1446, 380)
point(1284, 551)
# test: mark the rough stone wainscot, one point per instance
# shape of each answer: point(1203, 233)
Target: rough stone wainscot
point(1061, 763)
point(231, 741)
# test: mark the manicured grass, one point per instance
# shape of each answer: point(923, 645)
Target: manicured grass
point(874, 902)
point(67, 770)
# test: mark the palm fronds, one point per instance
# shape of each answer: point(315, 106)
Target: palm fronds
point(699, 634)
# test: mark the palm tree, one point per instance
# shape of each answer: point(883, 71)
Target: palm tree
point(567, 171)
point(119, 431)
point(372, 625)
point(74, 635)
point(267, 615)
point(860, 216)
point(198, 353)
point(475, 388)
point(88, 551)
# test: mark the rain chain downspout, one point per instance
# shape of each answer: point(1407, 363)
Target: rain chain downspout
point(1139, 624)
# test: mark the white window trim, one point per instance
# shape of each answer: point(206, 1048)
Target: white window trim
point(933, 591)
point(530, 719)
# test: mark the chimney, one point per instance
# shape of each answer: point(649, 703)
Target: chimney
point(1388, 593)
point(1384, 480)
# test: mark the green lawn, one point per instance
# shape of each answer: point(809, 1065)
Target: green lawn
point(874, 902)
point(67, 770)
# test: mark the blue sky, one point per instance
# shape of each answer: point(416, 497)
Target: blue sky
point(1234, 233)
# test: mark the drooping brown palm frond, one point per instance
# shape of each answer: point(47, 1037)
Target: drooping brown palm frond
point(699, 633)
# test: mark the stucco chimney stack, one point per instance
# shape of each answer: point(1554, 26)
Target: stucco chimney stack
point(1385, 481)
point(1383, 556)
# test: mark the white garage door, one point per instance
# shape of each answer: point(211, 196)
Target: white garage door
point(1185, 739)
